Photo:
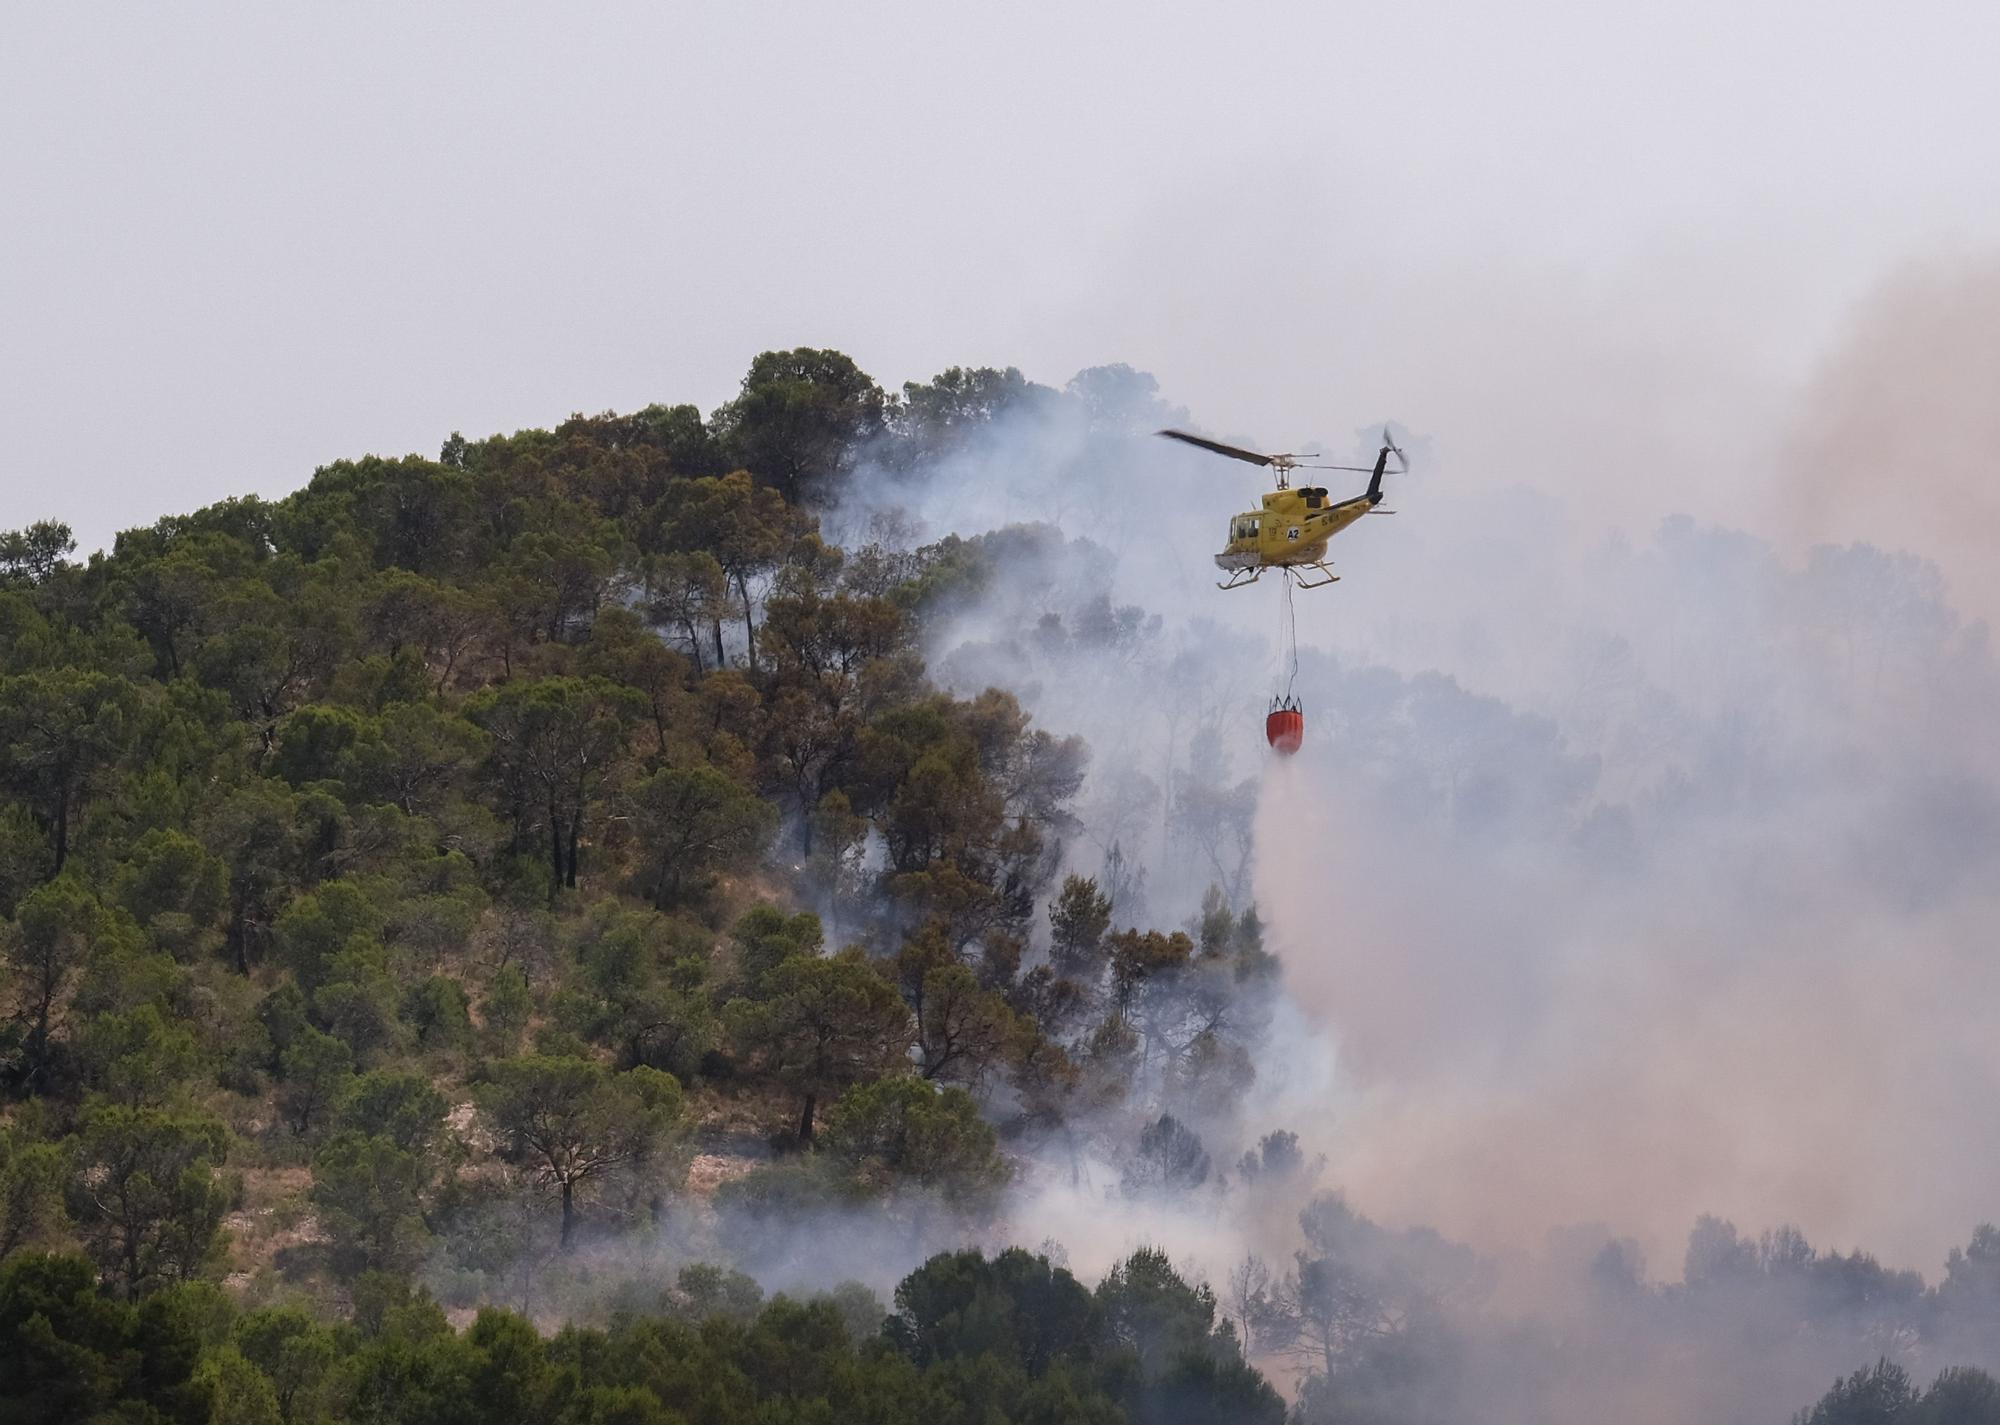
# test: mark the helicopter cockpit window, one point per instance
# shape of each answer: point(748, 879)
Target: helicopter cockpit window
point(1245, 528)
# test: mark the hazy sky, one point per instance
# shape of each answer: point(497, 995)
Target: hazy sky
point(240, 240)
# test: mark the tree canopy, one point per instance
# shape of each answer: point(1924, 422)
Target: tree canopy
point(461, 872)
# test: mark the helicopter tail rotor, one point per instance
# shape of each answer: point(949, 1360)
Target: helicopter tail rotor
point(1389, 448)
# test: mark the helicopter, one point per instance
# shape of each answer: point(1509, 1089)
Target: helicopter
point(1291, 531)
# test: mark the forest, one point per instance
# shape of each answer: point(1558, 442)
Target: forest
point(408, 881)
point(472, 923)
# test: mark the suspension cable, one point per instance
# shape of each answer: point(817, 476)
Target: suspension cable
point(1291, 641)
point(1288, 648)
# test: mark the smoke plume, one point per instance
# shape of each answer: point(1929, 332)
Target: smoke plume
point(1623, 878)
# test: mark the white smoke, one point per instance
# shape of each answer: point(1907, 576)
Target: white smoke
point(1624, 877)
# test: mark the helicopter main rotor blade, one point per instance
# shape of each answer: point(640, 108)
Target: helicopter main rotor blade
point(1234, 452)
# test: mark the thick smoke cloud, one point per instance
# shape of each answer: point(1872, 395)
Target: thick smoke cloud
point(1895, 441)
point(1624, 877)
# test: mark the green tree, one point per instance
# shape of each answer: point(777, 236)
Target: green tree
point(800, 420)
point(744, 529)
point(315, 1073)
point(167, 599)
point(24, 855)
point(679, 433)
point(255, 833)
point(833, 655)
point(559, 568)
point(687, 592)
point(511, 1375)
point(371, 1196)
point(1880, 1395)
point(31, 1179)
point(1017, 1307)
point(145, 1194)
point(174, 889)
point(763, 938)
point(317, 927)
point(1190, 1368)
point(56, 930)
point(555, 741)
point(693, 822)
point(938, 417)
point(825, 1024)
point(642, 990)
point(357, 1001)
point(703, 1290)
point(1078, 918)
point(71, 1353)
point(963, 1028)
point(375, 1181)
point(238, 1393)
point(423, 515)
point(624, 648)
point(906, 1130)
point(1971, 1285)
point(1142, 958)
point(35, 554)
point(405, 1108)
point(1961, 1395)
point(506, 1009)
point(444, 624)
point(137, 1056)
point(568, 1123)
point(313, 742)
point(440, 1012)
point(296, 1355)
point(62, 730)
point(1716, 1256)
point(1170, 1158)
point(274, 641)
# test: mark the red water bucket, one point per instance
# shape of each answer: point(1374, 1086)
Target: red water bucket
point(1285, 729)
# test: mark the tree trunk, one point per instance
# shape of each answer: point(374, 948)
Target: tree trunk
point(806, 1120)
point(569, 1212)
point(555, 853)
point(38, 1039)
point(62, 831)
point(720, 661)
point(239, 936)
point(575, 835)
point(749, 629)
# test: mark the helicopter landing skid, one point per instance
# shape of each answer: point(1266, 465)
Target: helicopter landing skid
point(1304, 583)
point(1242, 577)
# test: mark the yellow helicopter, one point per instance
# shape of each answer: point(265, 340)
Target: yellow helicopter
point(1292, 529)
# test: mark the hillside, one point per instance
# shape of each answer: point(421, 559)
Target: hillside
point(416, 897)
